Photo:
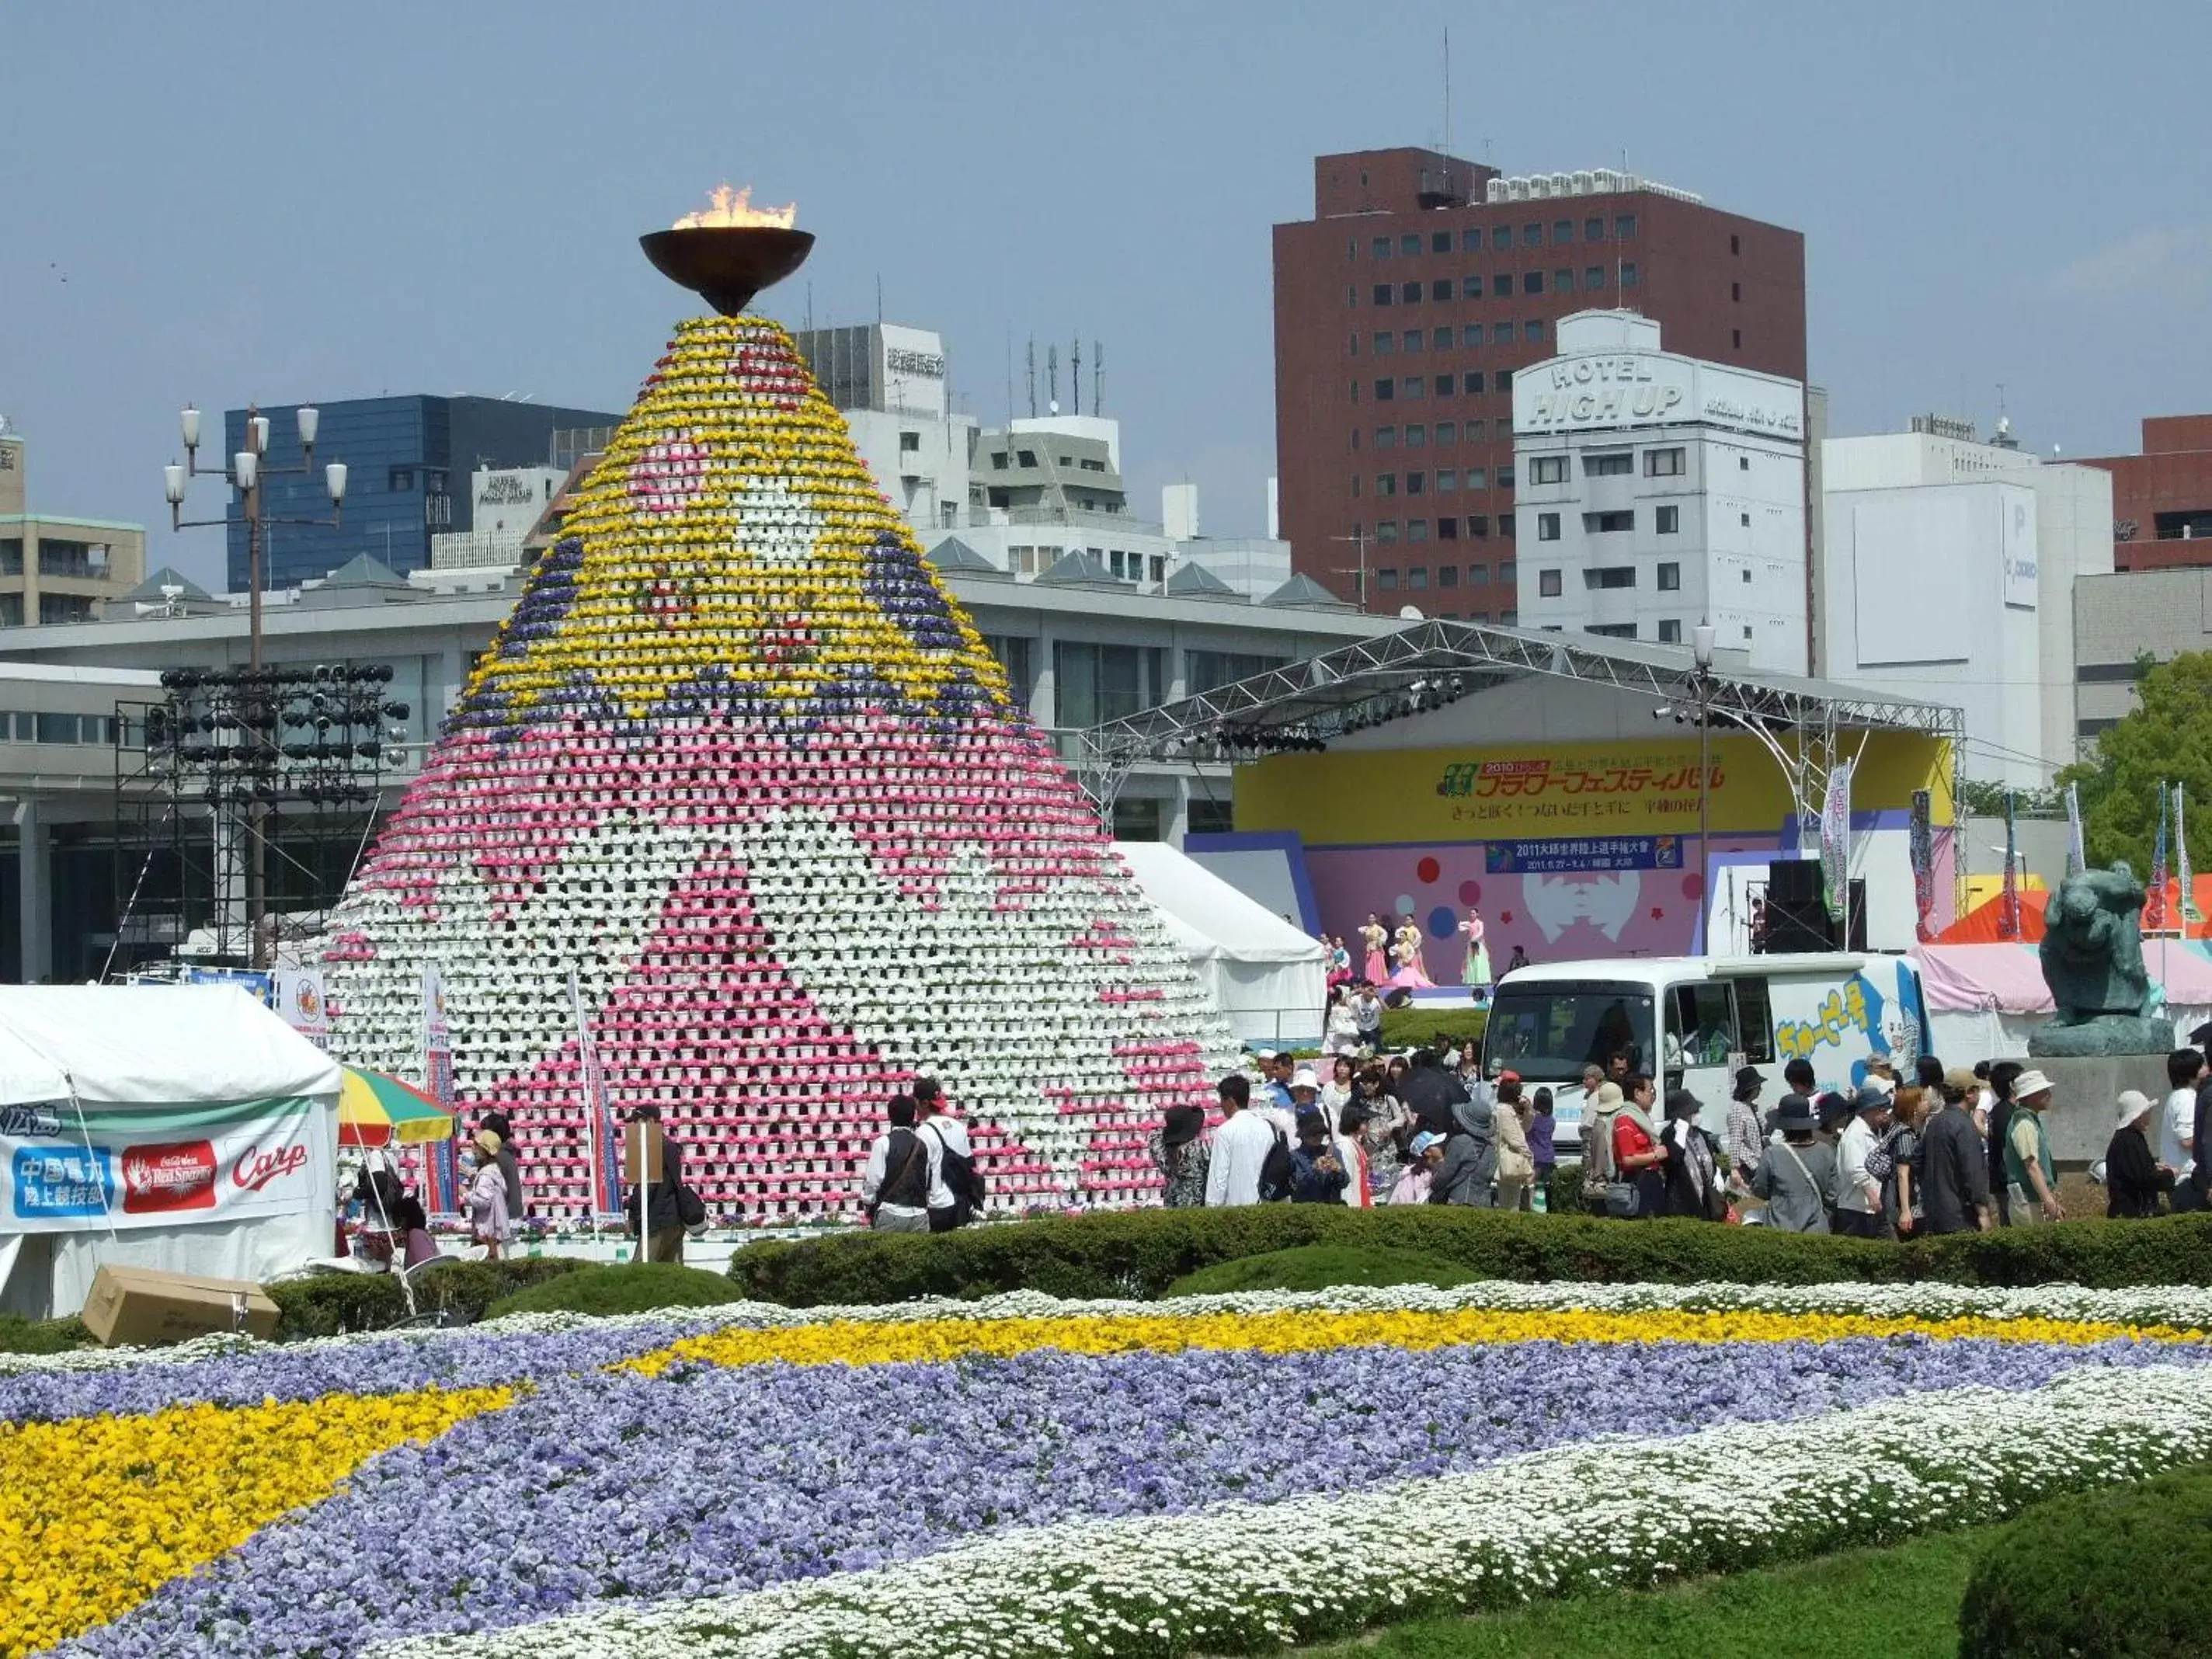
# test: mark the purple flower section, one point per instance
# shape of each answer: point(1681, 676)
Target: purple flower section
point(604, 1487)
point(460, 1359)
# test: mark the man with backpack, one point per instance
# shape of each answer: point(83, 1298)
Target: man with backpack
point(1251, 1162)
point(901, 1172)
point(957, 1192)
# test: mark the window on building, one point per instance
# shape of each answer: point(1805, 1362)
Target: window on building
point(1386, 581)
point(1505, 574)
point(1623, 226)
point(1611, 630)
point(1386, 483)
point(1440, 290)
point(1447, 575)
point(1416, 435)
point(1440, 242)
point(1387, 531)
point(1384, 391)
point(1355, 441)
point(1549, 584)
point(1477, 477)
point(1352, 345)
point(1355, 486)
point(1384, 344)
point(1669, 521)
point(11, 557)
point(1474, 386)
point(1447, 433)
point(1208, 671)
point(1593, 230)
point(1355, 392)
point(400, 480)
point(1532, 236)
point(1612, 576)
point(1470, 240)
point(1207, 817)
point(1607, 524)
point(1735, 291)
point(1746, 519)
point(1743, 463)
point(1418, 576)
point(1663, 463)
point(1478, 525)
point(1472, 430)
point(1506, 482)
point(1670, 630)
point(1502, 333)
point(1562, 231)
point(1594, 279)
point(1410, 243)
point(1382, 293)
point(1441, 340)
point(1025, 457)
point(1532, 331)
point(1478, 575)
point(1409, 293)
point(1414, 339)
point(1563, 282)
point(64, 608)
point(1352, 296)
point(1446, 478)
point(1747, 575)
point(1416, 482)
point(1447, 530)
point(1735, 245)
point(1385, 437)
point(1504, 380)
point(1670, 577)
point(1547, 469)
point(1470, 334)
point(1501, 236)
point(1501, 286)
point(1736, 339)
point(1413, 385)
point(910, 443)
point(1532, 282)
point(1614, 464)
point(1628, 273)
point(1547, 526)
point(1470, 287)
point(1379, 248)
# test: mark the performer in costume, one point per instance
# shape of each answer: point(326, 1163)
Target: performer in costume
point(1476, 975)
point(1412, 971)
point(1374, 937)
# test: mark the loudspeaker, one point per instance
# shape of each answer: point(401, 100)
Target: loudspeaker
point(1807, 926)
point(1793, 883)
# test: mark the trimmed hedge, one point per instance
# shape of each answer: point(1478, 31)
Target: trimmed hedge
point(1320, 1268)
point(1418, 1027)
point(622, 1288)
point(1140, 1253)
point(21, 1335)
point(2118, 1571)
point(331, 1305)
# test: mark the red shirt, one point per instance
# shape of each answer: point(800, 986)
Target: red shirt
point(1629, 1140)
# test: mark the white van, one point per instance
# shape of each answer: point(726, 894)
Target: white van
point(1703, 1018)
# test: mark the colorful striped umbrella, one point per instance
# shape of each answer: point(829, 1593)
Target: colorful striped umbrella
point(376, 1110)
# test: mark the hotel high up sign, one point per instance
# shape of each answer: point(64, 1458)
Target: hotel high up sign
point(1604, 391)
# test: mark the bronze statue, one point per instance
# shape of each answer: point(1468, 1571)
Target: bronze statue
point(2093, 961)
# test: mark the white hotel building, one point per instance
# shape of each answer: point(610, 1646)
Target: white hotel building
point(1655, 491)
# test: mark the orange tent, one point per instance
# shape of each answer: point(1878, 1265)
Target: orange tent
point(1984, 923)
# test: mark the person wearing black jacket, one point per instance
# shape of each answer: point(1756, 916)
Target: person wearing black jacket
point(2133, 1178)
point(2000, 1109)
point(1954, 1167)
point(1430, 1093)
point(660, 1203)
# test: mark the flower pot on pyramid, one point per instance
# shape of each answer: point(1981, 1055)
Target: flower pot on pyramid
point(738, 763)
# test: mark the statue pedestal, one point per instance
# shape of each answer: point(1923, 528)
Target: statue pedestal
point(2106, 1033)
point(2085, 1094)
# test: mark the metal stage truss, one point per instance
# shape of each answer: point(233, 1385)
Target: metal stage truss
point(243, 798)
point(1806, 726)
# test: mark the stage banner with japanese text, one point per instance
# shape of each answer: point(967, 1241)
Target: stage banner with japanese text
point(1836, 840)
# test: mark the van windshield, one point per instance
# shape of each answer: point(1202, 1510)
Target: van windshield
point(1548, 1032)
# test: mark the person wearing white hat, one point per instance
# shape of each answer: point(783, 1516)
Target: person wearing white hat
point(2030, 1176)
point(2133, 1178)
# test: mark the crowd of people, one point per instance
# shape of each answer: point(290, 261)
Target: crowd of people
point(1942, 1151)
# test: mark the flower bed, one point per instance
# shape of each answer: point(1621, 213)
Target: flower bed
point(711, 1463)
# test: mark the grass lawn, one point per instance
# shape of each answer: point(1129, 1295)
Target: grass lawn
point(1900, 1603)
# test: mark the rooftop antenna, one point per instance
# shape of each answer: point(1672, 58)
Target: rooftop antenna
point(1052, 378)
point(1449, 199)
point(1098, 378)
point(1010, 377)
point(1075, 373)
point(879, 299)
point(809, 305)
point(1032, 349)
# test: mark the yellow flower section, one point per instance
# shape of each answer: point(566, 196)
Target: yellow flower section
point(754, 562)
point(97, 1513)
point(860, 1343)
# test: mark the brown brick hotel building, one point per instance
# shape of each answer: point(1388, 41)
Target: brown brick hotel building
point(1406, 304)
point(2161, 499)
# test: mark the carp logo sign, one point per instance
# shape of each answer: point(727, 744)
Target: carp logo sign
point(174, 1176)
point(256, 1169)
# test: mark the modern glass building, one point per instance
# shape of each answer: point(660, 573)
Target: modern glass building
point(408, 462)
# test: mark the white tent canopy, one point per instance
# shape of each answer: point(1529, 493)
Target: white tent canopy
point(176, 1096)
point(1270, 979)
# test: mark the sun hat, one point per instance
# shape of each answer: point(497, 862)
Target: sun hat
point(1796, 1112)
point(1871, 1099)
point(488, 1143)
point(1304, 1078)
point(1423, 1141)
point(1609, 1096)
point(2133, 1104)
point(1749, 1078)
point(2029, 1084)
point(1961, 1081)
point(1182, 1126)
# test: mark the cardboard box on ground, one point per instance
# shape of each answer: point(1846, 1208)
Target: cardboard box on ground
point(144, 1307)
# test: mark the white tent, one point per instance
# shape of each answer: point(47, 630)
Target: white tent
point(184, 1127)
point(1270, 979)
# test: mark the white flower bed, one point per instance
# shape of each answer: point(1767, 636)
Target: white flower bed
point(1622, 1512)
point(2184, 1307)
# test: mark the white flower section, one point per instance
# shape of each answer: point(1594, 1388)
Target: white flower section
point(778, 524)
point(1238, 1577)
point(601, 900)
point(2181, 1307)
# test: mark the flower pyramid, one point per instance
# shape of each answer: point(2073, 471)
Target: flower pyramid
point(737, 763)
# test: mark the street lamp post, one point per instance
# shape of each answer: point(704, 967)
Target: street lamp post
point(247, 474)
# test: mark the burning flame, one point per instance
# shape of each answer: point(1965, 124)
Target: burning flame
point(734, 210)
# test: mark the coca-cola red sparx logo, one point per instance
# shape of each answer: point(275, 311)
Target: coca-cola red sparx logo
point(256, 1169)
point(172, 1175)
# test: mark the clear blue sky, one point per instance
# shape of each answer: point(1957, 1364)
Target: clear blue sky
point(220, 202)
